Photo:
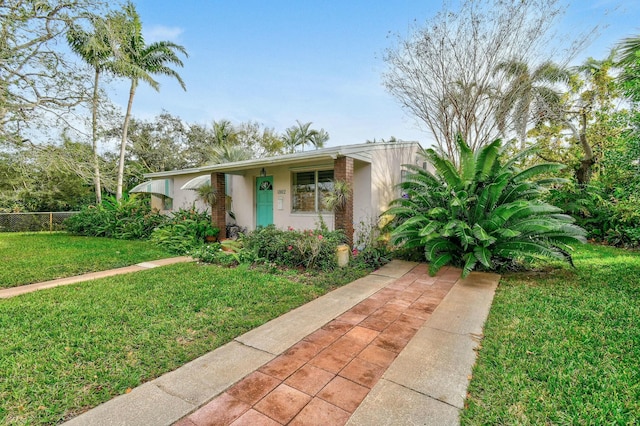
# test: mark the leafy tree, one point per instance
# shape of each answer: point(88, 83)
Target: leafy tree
point(158, 145)
point(444, 73)
point(590, 102)
point(225, 141)
point(50, 178)
point(528, 91)
point(262, 142)
point(229, 154)
point(141, 61)
point(486, 212)
point(579, 127)
point(37, 80)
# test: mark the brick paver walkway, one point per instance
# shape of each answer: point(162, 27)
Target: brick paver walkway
point(322, 379)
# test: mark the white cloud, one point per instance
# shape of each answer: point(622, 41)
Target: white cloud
point(162, 33)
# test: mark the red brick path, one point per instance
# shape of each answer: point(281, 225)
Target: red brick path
point(322, 379)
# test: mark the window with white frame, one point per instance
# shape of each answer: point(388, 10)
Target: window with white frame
point(310, 189)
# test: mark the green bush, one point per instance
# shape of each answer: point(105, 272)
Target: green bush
point(605, 217)
point(213, 253)
point(184, 231)
point(313, 249)
point(130, 219)
point(370, 248)
point(483, 214)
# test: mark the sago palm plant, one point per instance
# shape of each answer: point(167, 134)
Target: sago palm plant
point(484, 213)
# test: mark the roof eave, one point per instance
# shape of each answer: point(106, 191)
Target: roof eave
point(361, 152)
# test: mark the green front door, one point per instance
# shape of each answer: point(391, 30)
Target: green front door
point(264, 201)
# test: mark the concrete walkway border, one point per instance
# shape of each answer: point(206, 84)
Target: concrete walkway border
point(426, 384)
point(29, 288)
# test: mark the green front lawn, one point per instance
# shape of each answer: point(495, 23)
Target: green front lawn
point(34, 257)
point(562, 347)
point(70, 348)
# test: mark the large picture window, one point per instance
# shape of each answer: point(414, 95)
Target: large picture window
point(310, 189)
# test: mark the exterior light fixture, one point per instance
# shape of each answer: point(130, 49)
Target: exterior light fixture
point(263, 172)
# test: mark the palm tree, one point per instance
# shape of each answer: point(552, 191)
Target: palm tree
point(319, 138)
point(629, 56)
point(291, 139)
point(229, 153)
point(302, 134)
point(305, 132)
point(95, 48)
point(224, 133)
point(140, 61)
point(527, 91)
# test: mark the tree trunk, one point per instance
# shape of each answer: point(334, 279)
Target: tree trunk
point(94, 139)
point(123, 143)
point(583, 173)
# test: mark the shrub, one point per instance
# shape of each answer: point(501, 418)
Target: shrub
point(184, 231)
point(605, 217)
point(131, 218)
point(314, 249)
point(484, 213)
point(370, 246)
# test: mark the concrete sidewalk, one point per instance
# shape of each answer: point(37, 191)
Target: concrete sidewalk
point(15, 291)
point(426, 384)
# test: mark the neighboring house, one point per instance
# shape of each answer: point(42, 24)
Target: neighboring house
point(288, 190)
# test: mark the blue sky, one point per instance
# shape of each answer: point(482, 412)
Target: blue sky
point(279, 61)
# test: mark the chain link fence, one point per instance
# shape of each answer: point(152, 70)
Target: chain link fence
point(40, 221)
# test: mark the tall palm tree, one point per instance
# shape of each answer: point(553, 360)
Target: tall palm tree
point(528, 90)
point(305, 133)
point(319, 138)
point(95, 48)
point(224, 133)
point(302, 134)
point(291, 139)
point(140, 61)
point(229, 154)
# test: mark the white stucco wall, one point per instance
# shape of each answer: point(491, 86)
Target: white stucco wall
point(186, 199)
point(363, 209)
point(374, 187)
point(244, 200)
point(386, 173)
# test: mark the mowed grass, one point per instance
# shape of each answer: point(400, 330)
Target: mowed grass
point(562, 347)
point(70, 348)
point(33, 257)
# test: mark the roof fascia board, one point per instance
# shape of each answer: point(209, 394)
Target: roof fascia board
point(360, 152)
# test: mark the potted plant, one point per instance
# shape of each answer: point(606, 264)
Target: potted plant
point(211, 234)
point(206, 231)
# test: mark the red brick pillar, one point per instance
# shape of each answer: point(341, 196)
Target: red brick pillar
point(219, 208)
point(343, 170)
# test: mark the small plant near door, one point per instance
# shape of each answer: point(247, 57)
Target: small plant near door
point(210, 233)
point(207, 194)
point(338, 197)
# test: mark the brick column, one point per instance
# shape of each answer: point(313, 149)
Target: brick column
point(343, 170)
point(219, 209)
